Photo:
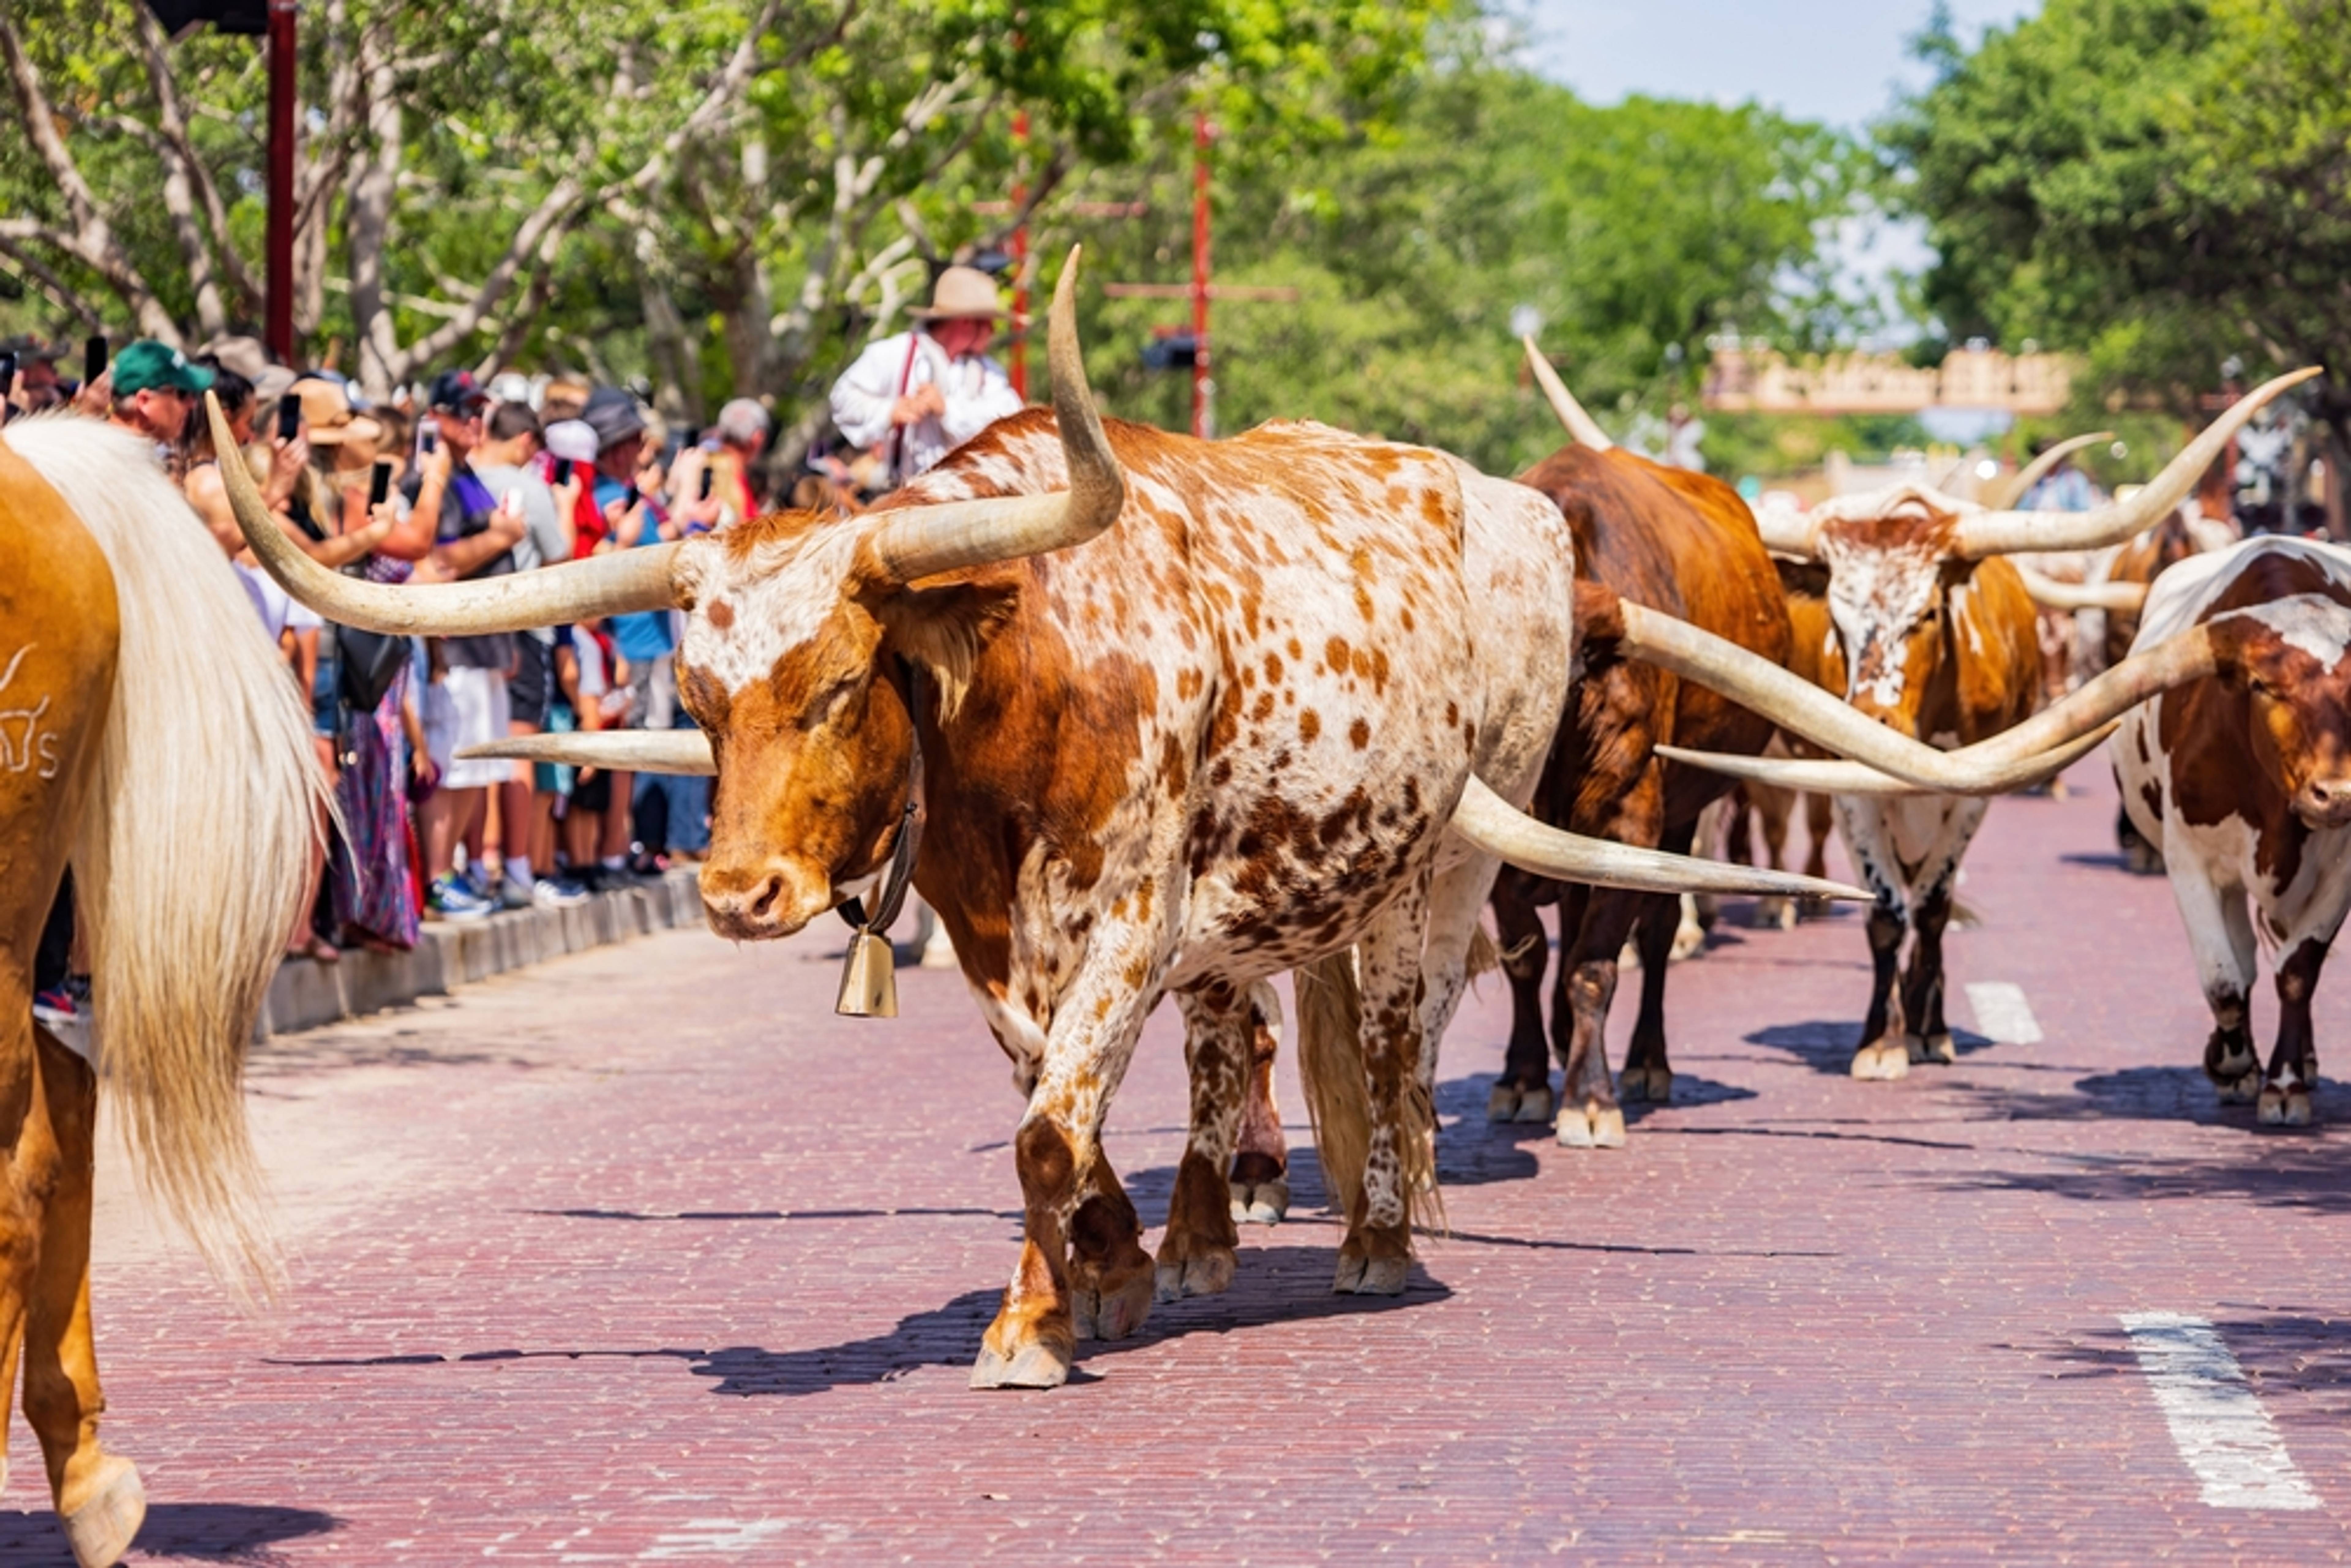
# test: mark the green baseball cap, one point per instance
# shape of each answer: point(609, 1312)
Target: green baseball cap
point(148, 363)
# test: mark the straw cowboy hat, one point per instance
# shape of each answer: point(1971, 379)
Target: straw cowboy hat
point(962, 293)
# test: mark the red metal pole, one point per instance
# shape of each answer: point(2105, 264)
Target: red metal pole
point(1202, 387)
point(1020, 259)
point(279, 281)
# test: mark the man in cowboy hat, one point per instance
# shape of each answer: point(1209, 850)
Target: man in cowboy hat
point(923, 393)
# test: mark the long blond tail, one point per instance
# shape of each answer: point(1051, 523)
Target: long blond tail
point(1330, 1071)
point(188, 856)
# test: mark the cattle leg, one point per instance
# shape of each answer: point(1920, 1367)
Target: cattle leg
point(1197, 1254)
point(1928, 1037)
point(1522, 1093)
point(1820, 815)
point(1647, 1075)
point(1259, 1188)
point(1057, 1151)
point(1589, 1116)
point(1109, 1274)
point(1884, 1053)
point(99, 1495)
point(2220, 933)
point(1376, 1255)
point(2293, 1065)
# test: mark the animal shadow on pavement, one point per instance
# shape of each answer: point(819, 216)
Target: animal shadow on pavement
point(2300, 1364)
point(1827, 1045)
point(234, 1532)
point(1274, 1285)
point(2172, 1093)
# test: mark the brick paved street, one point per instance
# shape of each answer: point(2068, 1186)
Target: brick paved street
point(642, 1255)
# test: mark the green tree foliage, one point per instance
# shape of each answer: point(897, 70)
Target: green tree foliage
point(2160, 184)
point(1630, 235)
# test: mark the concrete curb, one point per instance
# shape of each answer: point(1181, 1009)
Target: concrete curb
point(307, 993)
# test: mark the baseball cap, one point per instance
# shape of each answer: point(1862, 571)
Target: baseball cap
point(613, 415)
point(456, 392)
point(148, 364)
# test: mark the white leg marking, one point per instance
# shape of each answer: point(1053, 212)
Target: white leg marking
point(2003, 1013)
point(2216, 1422)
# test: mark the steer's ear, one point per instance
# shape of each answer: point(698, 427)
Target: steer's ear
point(944, 629)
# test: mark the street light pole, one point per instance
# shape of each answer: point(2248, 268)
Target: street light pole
point(279, 275)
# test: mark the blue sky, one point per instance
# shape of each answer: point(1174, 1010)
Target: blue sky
point(1842, 62)
point(1838, 60)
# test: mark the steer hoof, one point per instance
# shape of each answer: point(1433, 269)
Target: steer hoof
point(1887, 1061)
point(1036, 1365)
point(101, 1528)
point(1536, 1105)
point(2284, 1107)
point(1371, 1276)
point(1207, 1274)
point(1261, 1202)
point(1502, 1103)
point(1593, 1127)
point(1112, 1312)
point(1934, 1048)
point(2243, 1090)
point(1654, 1084)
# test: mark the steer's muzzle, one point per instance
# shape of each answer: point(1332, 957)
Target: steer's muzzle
point(2324, 802)
point(761, 898)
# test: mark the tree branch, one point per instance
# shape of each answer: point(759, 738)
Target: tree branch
point(94, 244)
point(63, 295)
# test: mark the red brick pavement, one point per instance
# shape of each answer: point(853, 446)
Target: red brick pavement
point(644, 1255)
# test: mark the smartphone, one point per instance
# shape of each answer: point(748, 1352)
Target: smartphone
point(630, 499)
point(289, 417)
point(93, 357)
point(428, 438)
point(693, 437)
point(379, 483)
point(709, 473)
point(563, 470)
point(7, 374)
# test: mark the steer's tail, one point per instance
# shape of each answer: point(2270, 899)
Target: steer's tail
point(1331, 1070)
point(188, 855)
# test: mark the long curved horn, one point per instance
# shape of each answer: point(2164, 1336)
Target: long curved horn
point(2051, 594)
point(1980, 534)
point(1787, 532)
point(1803, 709)
point(923, 541)
point(2006, 493)
point(1579, 424)
point(1855, 779)
point(1486, 821)
point(614, 750)
point(613, 584)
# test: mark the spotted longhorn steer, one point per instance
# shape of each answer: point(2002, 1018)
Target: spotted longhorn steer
point(2242, 782)
point(1221, 738)
point(1934, 636)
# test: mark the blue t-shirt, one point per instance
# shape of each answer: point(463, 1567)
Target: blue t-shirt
point(645, 636)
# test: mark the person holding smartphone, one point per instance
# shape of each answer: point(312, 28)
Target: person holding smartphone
point(475, 537)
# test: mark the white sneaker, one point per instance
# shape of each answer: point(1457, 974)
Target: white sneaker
point(548, 893)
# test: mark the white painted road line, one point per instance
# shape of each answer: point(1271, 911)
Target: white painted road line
point(2003, 1013)
point(2216, 1422)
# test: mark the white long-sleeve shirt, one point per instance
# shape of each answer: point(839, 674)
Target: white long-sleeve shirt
point(978, 394)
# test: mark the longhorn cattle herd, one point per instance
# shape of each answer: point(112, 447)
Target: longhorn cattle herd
point(1150, 715)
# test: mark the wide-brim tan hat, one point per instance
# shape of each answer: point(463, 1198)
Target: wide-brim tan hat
point(328, 418)
point(962, 293)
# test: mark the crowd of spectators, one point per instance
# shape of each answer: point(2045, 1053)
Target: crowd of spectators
point(445, 481)
point(450, 480)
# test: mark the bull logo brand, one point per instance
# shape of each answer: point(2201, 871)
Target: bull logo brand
point(22, 743)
